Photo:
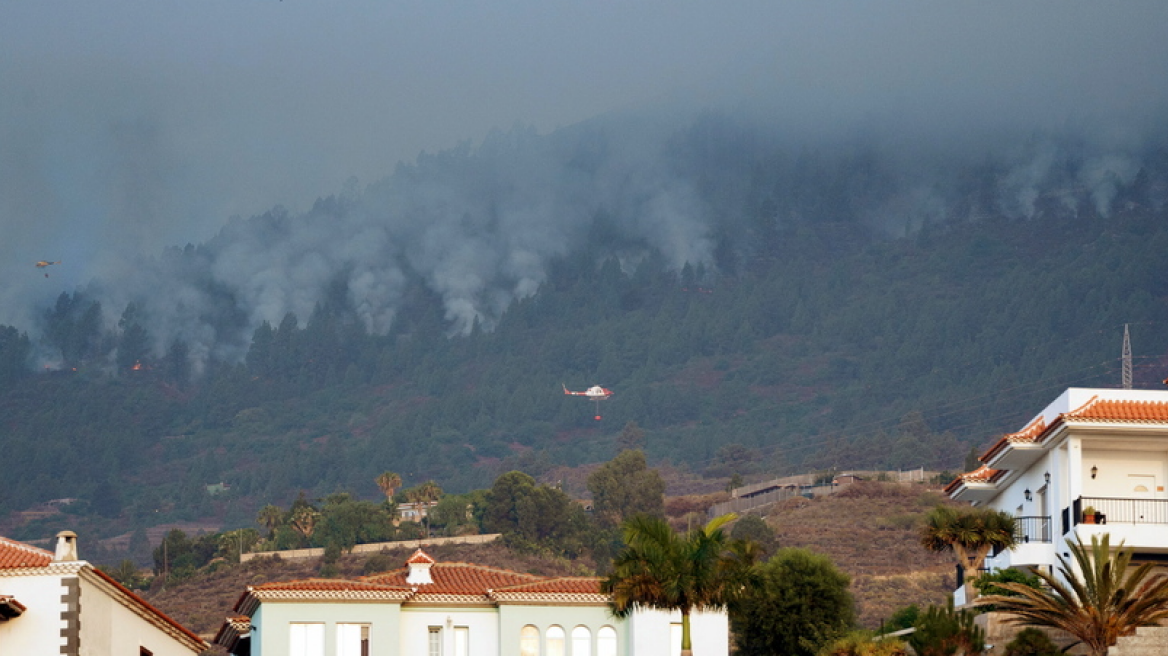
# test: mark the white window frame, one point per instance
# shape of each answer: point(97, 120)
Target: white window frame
point(306, 639)
point(350, 635)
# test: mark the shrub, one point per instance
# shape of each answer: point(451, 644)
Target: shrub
point(945, 631)
point(861, 643)
point(1031, 642)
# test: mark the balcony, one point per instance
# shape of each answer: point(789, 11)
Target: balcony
point(1032, 529)
point(1141, 524)
point(1124, 511)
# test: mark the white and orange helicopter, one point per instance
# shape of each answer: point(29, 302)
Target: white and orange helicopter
point(596, 394)
point(46, 263)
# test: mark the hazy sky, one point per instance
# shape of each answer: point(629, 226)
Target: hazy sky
point(129, 125)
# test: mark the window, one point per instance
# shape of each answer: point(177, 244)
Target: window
point(435, 642)
point(306, 640)
point(352, 640)
point(529, 641)
point(555, 641)
point(461, 641)
point(581, 641)
point(606, 641)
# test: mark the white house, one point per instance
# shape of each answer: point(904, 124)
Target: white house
point(454, 609)
point(1100, 449)
point(53, 603)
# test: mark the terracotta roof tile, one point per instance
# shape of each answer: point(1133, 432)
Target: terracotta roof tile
point(981, 474)
point(1030, 433)
point(10, 607)
point(458, 579)
point(1121, 411)
point(14, 555)
point(420, 557)
point(564, 585)
point(327, 585)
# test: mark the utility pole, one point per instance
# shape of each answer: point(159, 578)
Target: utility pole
point(1127, 359)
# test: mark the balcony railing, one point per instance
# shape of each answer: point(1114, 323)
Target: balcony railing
point(1124, 511)
point(1032, 529)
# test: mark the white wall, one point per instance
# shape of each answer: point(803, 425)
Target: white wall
point(108, 627)
point(649, 633)
point(271, 622)
point(38, 629)
point(482, 622)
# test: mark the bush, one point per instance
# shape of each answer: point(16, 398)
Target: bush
point(1032, 642)
point(987, 584)
point(378, 563)
point(944, 632)
point(861, 643)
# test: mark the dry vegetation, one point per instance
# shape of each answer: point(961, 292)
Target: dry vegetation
point(868, 529)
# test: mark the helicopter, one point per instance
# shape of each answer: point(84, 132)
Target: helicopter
point(45, 263)
point(596, 394)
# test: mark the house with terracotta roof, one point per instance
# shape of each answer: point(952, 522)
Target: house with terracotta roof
point(430, 608)
point(53, 603)
point(1093, 461)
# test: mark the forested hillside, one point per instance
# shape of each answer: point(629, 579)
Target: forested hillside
point(817, 316)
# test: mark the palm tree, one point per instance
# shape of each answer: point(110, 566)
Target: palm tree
point(1095, 598)
point(270, 517)
point(424, 497)
point(970, 533)
point(660, 569)
point(388, 482)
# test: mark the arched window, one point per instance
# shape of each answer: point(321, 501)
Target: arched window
point(606, 641)
point(581, 641)
point(529, 641)
point(555, 641)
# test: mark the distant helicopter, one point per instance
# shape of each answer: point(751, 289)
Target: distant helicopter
point(45, 263)
point(596, 394)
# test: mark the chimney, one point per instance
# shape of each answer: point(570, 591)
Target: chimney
point(420, 564)
point(66, 547)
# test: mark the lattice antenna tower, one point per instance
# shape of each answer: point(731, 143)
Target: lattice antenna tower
point(1127, 359)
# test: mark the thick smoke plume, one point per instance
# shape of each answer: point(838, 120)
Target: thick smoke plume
point(479, 226)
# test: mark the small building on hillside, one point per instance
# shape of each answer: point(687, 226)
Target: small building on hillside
point(53, 603)
point(1093, 461)
point(429, 608)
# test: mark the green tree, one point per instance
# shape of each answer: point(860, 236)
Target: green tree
point(903, 618)
point(970, 533)
point(660, 569)
point(501, 514)
point(424, 497)
point(347, 522)
point(455, 513)
point(1096, 597)
point(271, 518)
point(302, 518)
point(753, 527)
point(550, 522)
point(800, 602)
point(625, 486)
point(388, 482)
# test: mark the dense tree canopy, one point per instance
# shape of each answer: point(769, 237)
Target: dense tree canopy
point(624, 487)
point(800, 602)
